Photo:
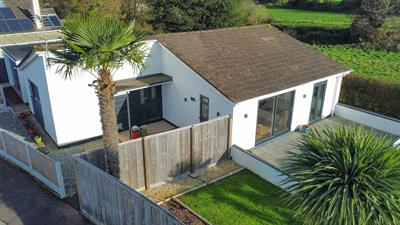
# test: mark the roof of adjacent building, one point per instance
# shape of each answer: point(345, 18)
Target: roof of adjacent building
point(30, 38)
point(247, 62)
point(18, 53)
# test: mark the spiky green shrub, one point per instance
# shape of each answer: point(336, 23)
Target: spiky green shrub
point(345, 176)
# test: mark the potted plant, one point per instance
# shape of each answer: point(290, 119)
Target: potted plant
point(305, 128)
point(38, 140)
point(32, 132)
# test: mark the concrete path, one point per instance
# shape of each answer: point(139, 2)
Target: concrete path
point(24, 201)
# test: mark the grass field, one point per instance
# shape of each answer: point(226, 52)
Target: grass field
point(243, 198)
point(320, 19)
point(366, 62)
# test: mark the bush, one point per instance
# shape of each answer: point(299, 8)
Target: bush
point(371, 94)
point(189, 15)
point(345, 176)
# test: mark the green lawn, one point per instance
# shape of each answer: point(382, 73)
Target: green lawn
point(319, 19)
point(243, 198)
point(366, 62)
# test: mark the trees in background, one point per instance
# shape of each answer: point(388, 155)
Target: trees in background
point(187, 15)
point(371, 17)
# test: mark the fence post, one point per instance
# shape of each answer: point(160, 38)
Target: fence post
point(229, 141)
point(146, 165)
point(3, 143)
point(28, 153)
point(192, 153)
point(60, 180)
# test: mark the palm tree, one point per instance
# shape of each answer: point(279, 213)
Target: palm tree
point(345, 176)
point(101, 45)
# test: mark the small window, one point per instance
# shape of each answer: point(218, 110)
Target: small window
point(34, 91)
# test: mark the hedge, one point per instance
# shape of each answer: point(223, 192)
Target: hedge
point(372, 94)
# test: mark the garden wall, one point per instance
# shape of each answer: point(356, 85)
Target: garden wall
point(382, 97)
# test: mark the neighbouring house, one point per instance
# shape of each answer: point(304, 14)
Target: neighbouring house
point(268, 81)
point(22, 17)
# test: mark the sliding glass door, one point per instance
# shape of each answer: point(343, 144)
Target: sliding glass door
point(274, 116)
point(317, 102)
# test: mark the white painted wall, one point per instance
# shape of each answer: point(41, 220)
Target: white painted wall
point(35, 72)
point(259, 167)
point(244, 129)
point(186, 84)
point(71, 110)
point(369, 119)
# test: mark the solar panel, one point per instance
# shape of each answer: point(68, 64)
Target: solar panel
point(46, 21)
point(14, 25)
point(55, 20)
point(3, 26)
point(26, 24)
point(7, 13)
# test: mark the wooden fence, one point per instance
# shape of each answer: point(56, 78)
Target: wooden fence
point(24, 155)
point(106, 200)
point(156, 159)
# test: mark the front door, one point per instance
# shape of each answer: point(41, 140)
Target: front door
point(274, 116)
point(37, 106)
point(317, 102)
point(204, 108)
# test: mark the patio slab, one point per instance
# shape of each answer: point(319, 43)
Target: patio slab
point(276, 150)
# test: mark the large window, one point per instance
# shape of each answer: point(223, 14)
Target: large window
point(274, 116)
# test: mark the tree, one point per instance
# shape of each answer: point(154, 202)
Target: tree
point(101, 45)
point(345, 176)
point(188, 15)
point(372, 16)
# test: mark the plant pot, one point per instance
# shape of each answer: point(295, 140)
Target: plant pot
point(304, 129)
point(32, 132)
point(38, 140)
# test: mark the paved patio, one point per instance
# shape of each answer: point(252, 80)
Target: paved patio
point(276, 150)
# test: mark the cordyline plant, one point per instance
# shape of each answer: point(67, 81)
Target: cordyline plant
point(101, 45)
point(345, 176)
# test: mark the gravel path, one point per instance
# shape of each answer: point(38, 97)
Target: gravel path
point(169, 190)
point(10, 122)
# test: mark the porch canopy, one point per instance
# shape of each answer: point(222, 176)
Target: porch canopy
point(142, 82)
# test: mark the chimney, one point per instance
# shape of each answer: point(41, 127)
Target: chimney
point(37, 16)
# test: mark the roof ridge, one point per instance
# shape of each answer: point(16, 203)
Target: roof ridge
point(217, 29)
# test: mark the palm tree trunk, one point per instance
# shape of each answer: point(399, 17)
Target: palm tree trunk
point(105, 89)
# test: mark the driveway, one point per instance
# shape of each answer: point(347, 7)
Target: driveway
point(25, 201)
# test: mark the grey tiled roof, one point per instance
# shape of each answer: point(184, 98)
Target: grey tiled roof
point(247, 62)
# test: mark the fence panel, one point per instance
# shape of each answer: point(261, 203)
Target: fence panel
point(24, 155)
point(16, 151)
point(210, 142)
point(130, 156)
point(106, 200)
point(167, 155)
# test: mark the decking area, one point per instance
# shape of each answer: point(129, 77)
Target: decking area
point(276, 150)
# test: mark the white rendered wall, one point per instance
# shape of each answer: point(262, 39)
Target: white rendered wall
point(74, 105)
point(186, 84)
point(244, 129)
point(369, 119)
point(35, 72)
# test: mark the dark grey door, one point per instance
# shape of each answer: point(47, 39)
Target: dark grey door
point(37, 106)
point(138, 107)
point(121, 111)
point(204, 108)
point(3, 72)
point(317, 102)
